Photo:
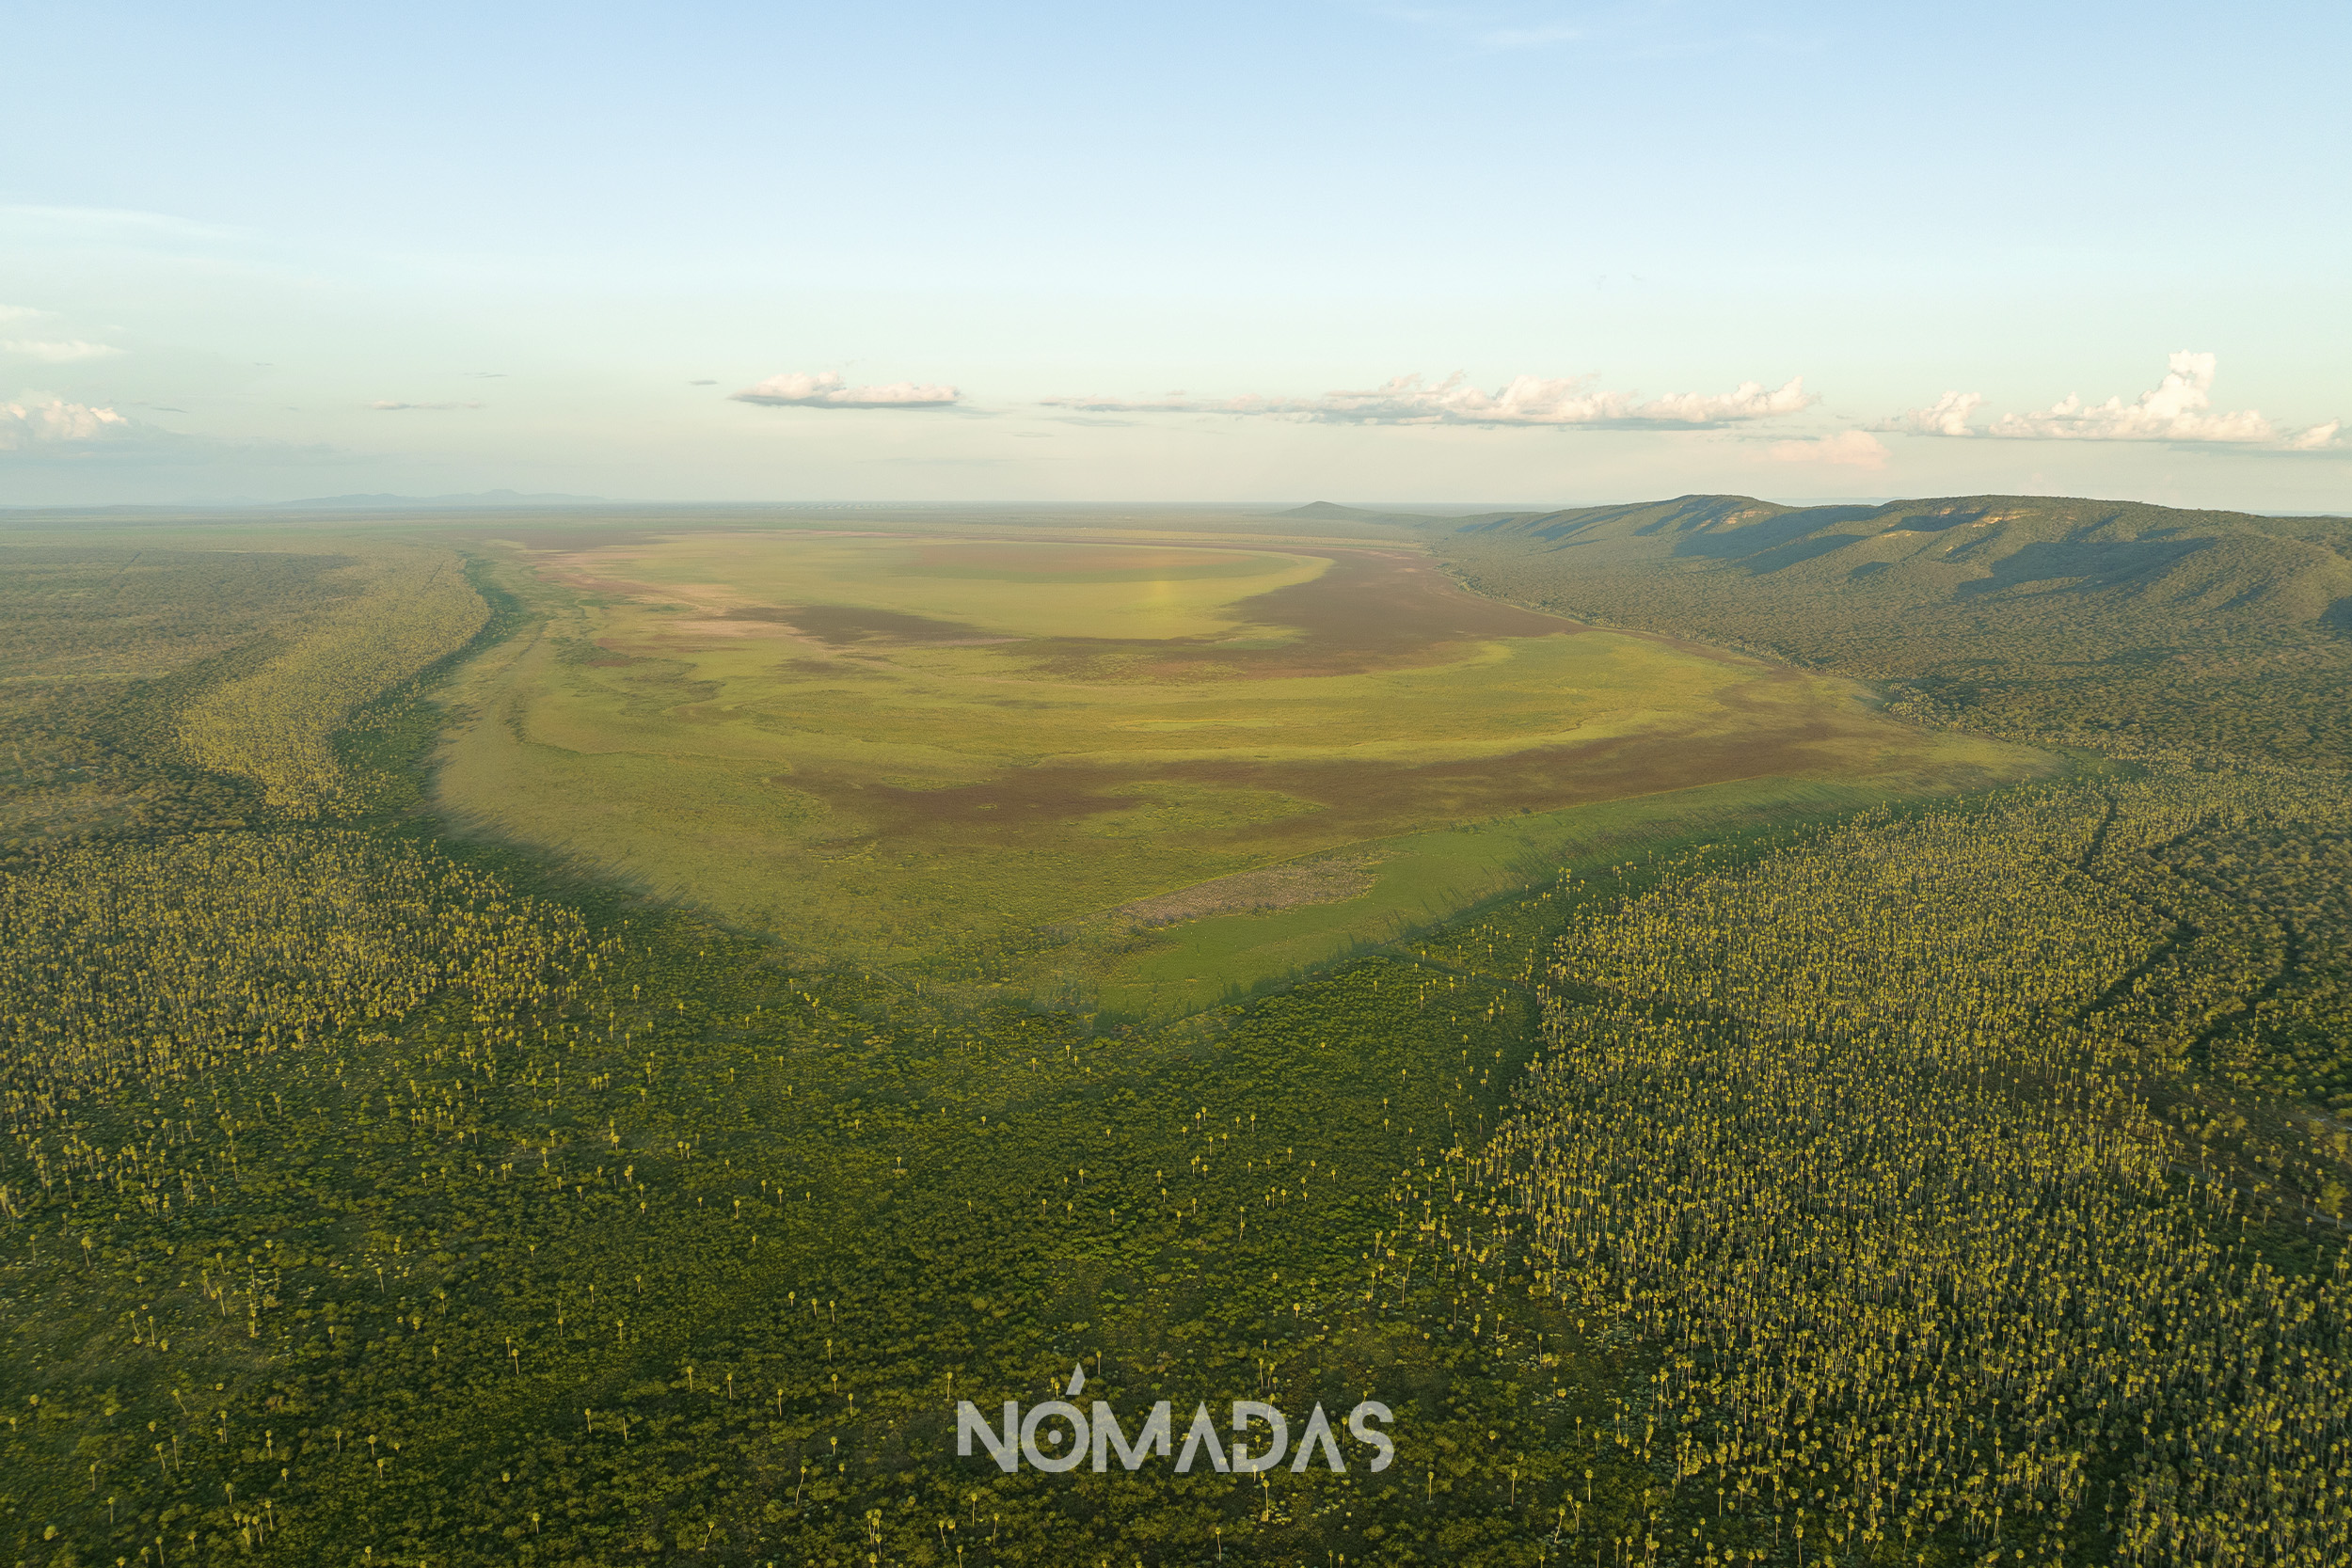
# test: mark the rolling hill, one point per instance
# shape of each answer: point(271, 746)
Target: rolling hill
point(2023, 615)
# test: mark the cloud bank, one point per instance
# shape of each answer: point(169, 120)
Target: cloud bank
point(52, 425)
point(825, 389)
point(2179, 408)
point(1527, 399)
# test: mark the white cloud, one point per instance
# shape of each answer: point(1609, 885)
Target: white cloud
point(2175, 410)
point(26, 313)
point(825, 389)
point(35, 423)
point(1750, 401)
point(1526, 400)
point(399, 407)
point(41, 428)
point(2178, 408)
point(1946, 416)
point(56, 352)
point(1854, 449)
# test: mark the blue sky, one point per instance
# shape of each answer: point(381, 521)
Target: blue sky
point(1177, 252)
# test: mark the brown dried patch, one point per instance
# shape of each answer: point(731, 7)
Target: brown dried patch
point(1356, 799)
point(1321, 879)
point(1016, 806)
point(1372, 609)
point(829, 666)
point(845, 625)
point(1026, 559)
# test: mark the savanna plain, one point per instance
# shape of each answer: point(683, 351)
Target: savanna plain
point(1756, 1034)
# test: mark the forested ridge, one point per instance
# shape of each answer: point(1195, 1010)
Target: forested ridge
point(2028, 616)
point(1948, 1184)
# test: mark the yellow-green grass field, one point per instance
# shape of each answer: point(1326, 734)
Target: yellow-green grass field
point(891, 748)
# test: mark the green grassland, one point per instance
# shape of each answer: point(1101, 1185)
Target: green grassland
point(1415, 882)
point(864, 744)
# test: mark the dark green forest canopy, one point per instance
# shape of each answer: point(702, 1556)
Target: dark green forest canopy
point(1929, 1185)
point(2020, 615)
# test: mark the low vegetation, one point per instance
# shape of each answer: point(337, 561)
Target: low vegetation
point(276, 725)
point(1834, 1174)
point(102, 644)
point(1893, 1147)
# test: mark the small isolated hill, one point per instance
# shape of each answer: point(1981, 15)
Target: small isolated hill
point(2021, 614)
point(1332, 511)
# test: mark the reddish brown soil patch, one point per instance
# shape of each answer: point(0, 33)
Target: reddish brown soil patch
point(1369, 799)
point(829, 667)
point(1358, 798)
point(990, 556)
point(1372, 609)
point(1376, 605)
point(845, 625)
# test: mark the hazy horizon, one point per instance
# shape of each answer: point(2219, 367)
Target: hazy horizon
point(1538, 253)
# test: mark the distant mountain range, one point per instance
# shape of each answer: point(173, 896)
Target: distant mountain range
point(475, 498)
point(2029, 614)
